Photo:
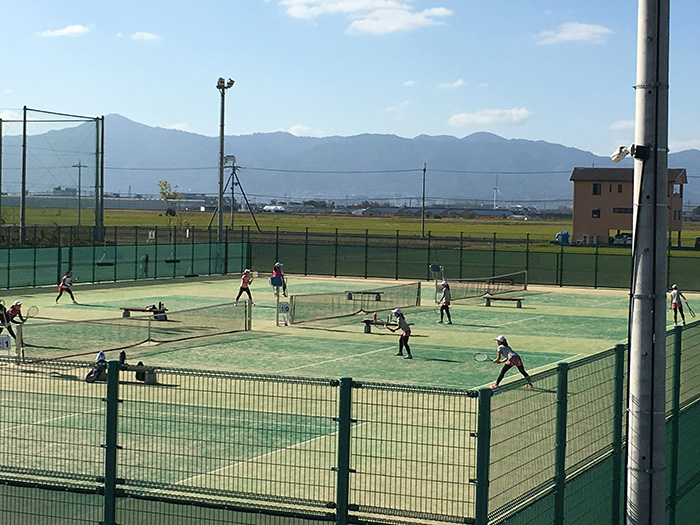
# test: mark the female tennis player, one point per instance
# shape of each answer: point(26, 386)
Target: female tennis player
point(445, 303)
point(6, 321)
point(405, 333)
point(277, 273)
point(676, 305)
point(511, 358)
point(65, 285)
point(246, 279)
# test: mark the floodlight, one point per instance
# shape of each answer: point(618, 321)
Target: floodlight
point(620, 154)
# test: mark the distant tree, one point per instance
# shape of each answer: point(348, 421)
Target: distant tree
point(171, 195)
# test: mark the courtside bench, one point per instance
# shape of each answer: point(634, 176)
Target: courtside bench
point(158, 313)
point(518, 300)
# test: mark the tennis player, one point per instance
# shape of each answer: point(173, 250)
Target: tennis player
point(511, 359)
point(405, 333)
point(676, 305)
point(445, 303)
point(65, 286)
point(6, 321)
point(246, 279)
point(16, 311)
point(277, 272)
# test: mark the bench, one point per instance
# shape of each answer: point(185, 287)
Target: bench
point(158, 313)
point(146, 374)
point(490, 298)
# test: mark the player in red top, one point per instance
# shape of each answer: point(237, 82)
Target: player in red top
point(65, 286)
point(246, 279)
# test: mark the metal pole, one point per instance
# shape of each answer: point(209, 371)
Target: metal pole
point(80, 167)
point(647, 366)
point(422, 208)
point(23, 195)
point(222, 86)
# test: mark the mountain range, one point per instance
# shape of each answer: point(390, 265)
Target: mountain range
point(479, 168)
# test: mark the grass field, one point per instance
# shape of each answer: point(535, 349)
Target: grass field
point(552, 325)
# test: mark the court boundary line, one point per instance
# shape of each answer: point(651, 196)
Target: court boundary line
point(332, 360)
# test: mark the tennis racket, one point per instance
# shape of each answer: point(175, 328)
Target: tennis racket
point(32, 312)
point(690, 310)
point(481, 357)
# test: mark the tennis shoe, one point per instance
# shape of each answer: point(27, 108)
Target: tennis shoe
point(398, 353)
point(449, 322)
point(75, 302)
point(409, 356)
point(439, 322)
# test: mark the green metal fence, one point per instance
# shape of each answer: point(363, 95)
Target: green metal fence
point(213, 447)
point(133, 253)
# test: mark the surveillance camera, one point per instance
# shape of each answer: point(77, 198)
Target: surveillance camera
point(620, 154)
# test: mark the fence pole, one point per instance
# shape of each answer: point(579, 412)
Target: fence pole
point(493, 255)
point(335, 255)
point(618, 419)
point(116, 237)
point(277, 243)
point(59, 260)
point(527, 252)
point(366, 250)
point(595, 271)
point(136, 253)
point(427, 273)
point(396, 267)
point(34, 276)
point(675, 415)
point(343, 469)
point(155, 269)
point(94, 255)
point(461, 251)
point(110, 446)
point(306, 251)
point(560, 442)
point(483, 456)
point(561, 265)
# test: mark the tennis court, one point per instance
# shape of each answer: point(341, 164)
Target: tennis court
point(553, 324)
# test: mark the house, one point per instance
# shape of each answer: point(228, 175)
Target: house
point(604, 202)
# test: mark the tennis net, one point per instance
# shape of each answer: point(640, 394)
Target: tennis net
point(493, 285)
point(61, 338)
point(316, 306)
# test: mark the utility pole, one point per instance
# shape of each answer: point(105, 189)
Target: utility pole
point(647, 346)
point(222, 85)
point(80, 166)
point(422, 207)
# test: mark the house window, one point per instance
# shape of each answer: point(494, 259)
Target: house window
point(622, 210)
point(619, 188)
point(596, 188)
point(611, 188)
point(596, 213)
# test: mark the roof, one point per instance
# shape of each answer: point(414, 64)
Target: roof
point(675, 175)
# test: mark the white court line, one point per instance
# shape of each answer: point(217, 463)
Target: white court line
point(101, 409)
point(510, 322)
point(331, 360)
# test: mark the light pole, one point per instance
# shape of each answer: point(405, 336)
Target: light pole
point(222, 85)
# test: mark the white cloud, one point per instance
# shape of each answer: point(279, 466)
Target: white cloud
point(304, 131)
point(488, 117)
point(397, 110)
point(622, 125)
point(144, 36)
point(368, 16)
point(451, 85)
point(73, 30)
point(409, 83)
point(574, 32)
point(675, 146)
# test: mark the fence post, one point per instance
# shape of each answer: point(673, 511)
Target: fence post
point(560, 442)
point(675, 414)
point(461, 248)
point(116, 241)
point(34, 275)
point(483, 456)
point(59, 260)
point(155, 257)
point(277, 243)
point(618, 419)
point(306, 251)
point(595, 270)
point(335, 255)
point(396, 267)
point(136, 253)
point(493, 255)
point(561, 265)
point(527, 252)
point(110, 446)
point(366, 250)
point(427, 273)
point(343, 469)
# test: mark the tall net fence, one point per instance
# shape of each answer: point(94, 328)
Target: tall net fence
point(68, 338)
point(316, 306)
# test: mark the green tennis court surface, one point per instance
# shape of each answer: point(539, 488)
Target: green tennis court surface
point(553, 324)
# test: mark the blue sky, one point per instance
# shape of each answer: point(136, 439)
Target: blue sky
point(553, 70)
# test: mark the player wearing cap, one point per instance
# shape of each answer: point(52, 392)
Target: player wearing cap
point(278, 274)
point(16, 311)
point(445, 303)
point(511, 358)
point(405, 332)
point(676, 305)
point(6, 321)
point(65, 286)
point(246, 279)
